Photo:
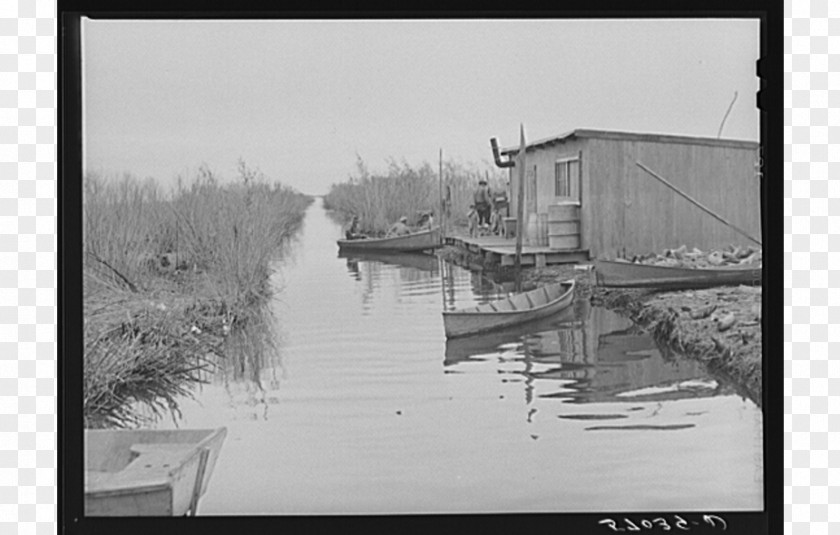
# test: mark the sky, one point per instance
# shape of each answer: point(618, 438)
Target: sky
point(300, 100)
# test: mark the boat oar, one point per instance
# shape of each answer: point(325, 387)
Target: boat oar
point(697, 204)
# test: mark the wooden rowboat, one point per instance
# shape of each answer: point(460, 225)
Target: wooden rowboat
point(147, 472)
point(417, 241)
point(630, 275)
point(519, 308)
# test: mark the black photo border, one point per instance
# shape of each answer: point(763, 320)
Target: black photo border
point(70, 318)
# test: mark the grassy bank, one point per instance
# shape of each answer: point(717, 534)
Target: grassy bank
point(379, 199)
point(168, 278)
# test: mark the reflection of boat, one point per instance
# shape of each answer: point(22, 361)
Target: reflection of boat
point(148, 473)
point(462, 348)
point(417, 241)
point(631, 275)
point(519, 308)
point(420, 261)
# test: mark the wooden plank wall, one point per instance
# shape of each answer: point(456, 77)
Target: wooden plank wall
point(628, 212)
point(543, 158)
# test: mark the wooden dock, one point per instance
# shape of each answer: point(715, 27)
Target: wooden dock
point(501, 251)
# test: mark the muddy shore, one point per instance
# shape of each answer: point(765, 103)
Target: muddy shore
point(720, 327)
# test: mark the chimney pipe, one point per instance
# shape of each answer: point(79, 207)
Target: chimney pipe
point(497, 157)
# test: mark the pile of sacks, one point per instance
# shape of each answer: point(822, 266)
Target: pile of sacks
point(734, 256)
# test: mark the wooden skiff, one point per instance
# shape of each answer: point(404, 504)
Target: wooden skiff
point(148, 472)
point(519, 308)
point(417, 241)
point(631, 275)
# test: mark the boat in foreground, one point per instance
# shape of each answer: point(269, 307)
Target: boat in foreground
point(519, 308)
point(417, 241)
point(148, 472)
point(630, 275)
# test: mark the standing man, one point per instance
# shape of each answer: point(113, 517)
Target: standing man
point(483, 201)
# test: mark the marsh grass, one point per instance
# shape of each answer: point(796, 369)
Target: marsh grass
point(169, 283)
point(381, 199)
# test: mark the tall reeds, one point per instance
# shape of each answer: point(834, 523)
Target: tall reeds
point(381, 199)
point(168, 278)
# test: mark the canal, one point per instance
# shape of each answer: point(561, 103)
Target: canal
point(364, 407)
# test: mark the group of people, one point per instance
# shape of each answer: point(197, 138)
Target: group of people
point(400, 228)
point(485, 217)
point(485, 213)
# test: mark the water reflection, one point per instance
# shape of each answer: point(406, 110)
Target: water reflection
point(412, 261)
point(585, 355)
point(251, 369)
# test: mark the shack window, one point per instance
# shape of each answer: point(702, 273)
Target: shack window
point(565, 171)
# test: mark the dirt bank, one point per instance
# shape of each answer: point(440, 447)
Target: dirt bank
point(720, 327)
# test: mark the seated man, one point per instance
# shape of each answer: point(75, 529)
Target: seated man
point(352, 232)
point(427, 220)
point(400, 228)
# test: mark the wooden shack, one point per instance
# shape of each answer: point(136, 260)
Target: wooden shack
point(586, 185)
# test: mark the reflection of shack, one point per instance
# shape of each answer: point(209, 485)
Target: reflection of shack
point(605, 360)
point(599, 359)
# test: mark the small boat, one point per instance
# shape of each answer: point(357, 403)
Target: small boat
point(148, 472)
point(519, 308)
point(631, 275)
point(416, 241)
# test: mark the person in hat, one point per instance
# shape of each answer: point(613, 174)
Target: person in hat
point(400, 228)
point(483, 202)
point(352, 232)
point(427, 220)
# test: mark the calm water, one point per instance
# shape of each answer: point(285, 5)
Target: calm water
point(365, 408)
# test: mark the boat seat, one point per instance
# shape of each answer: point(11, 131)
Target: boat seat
point(504, 306)
point(158, 457)
point(520, 302)
point(538, 298)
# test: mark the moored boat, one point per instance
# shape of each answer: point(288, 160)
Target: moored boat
point(519, 308)
point(632, 275)
point(416, 241)
point(148, 472)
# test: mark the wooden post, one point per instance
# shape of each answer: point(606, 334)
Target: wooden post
point(697, 204)
point(441, 215)
point(520, 208)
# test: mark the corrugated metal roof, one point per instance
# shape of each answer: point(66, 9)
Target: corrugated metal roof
point(632, 136)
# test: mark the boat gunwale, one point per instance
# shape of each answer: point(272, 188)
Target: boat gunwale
point(675, 269)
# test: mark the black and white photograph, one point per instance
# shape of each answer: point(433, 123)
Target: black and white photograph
point(419, 266)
